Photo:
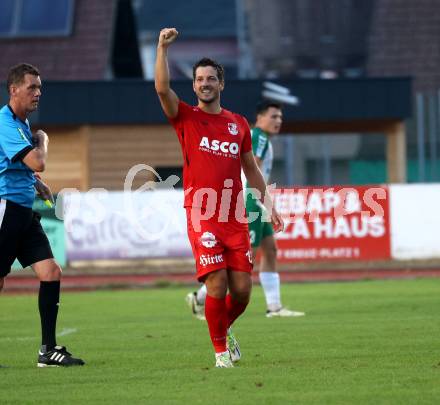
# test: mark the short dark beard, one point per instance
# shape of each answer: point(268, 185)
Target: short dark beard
point(208, 101)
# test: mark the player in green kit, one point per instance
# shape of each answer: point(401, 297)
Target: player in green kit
point(268, 123)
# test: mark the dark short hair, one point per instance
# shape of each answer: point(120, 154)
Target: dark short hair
point(17, 73)
point(264, 105)
point(210, 62)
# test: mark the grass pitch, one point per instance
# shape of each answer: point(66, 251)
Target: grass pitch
point(372, 342)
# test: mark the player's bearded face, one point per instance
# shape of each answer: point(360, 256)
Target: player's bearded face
point(207, 85)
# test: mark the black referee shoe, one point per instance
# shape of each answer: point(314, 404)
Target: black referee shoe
point(58, 357)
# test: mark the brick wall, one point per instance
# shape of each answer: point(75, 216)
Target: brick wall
point(291, 36)
point(82, 56)
point(405, 40)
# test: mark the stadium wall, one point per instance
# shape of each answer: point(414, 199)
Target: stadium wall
point(415, 221)
point(394, 222)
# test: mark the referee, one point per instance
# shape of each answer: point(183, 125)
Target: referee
point(22, 154)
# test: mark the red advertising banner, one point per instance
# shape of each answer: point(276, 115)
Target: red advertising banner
point(337, 223)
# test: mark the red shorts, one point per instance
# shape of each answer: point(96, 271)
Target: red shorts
point(218, 246)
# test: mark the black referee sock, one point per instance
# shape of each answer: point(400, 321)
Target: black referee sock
point(48, 301)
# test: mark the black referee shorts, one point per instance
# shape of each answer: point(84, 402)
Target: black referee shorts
point(21, 237)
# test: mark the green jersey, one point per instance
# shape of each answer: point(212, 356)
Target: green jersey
point(262, 148)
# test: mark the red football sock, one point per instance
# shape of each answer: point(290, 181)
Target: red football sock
point(217, 319)
point(234, 309)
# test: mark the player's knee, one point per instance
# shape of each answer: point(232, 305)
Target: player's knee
point(55, 272)
point(51, 273)
point(217, 290)
point(241, 292)
point(273, 251)
point(242, 296)
point(270, 251)
point(217, 284)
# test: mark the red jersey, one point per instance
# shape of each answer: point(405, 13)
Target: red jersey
point(211, 146)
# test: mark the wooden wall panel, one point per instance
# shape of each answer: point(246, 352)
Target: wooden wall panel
point(116, 149)
point(101, 156)
point(67, 164)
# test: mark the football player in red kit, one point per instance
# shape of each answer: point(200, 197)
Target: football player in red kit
point(216, 146)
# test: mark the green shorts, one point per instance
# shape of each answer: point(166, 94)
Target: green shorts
point(258, 229)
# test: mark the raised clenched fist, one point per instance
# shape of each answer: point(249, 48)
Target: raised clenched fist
point(167, 36)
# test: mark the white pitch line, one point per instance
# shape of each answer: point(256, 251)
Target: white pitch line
point(67, 331)
point(20, 339)
point(64, 332)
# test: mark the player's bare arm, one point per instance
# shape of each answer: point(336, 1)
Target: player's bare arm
point(256, 181)
point(36, 158)
point(168, 98)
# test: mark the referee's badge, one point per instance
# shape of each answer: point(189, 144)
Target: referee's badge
point(232, 127)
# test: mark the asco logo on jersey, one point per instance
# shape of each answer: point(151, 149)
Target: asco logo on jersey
point(231, 149)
